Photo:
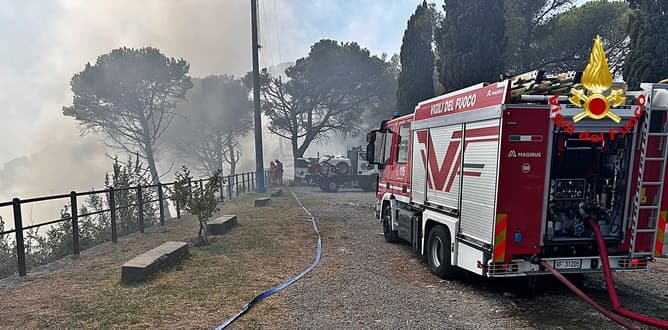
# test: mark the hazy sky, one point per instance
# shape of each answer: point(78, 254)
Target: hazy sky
point(46, 42)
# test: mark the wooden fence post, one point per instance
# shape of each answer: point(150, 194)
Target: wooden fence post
point(222, 190)
point(162, 206)
point(229, 186)
point(140, 209)
point(18, 230)
point(112, 207)
point(75, 223)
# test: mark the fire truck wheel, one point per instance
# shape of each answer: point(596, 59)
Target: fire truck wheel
point(438, 253)
point(331, 185)
point(371, 185)
point(390, 235)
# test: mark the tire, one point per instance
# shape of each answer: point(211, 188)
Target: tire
point(438, 253)
point(391, 236)
point(322, 185)
point(370, 186)
point(342, 168)
point(331, 185)
point(373, 184)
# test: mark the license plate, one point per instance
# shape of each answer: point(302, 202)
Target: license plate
point(567, 264)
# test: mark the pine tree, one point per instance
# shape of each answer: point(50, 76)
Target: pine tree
point(471, 43)
point(415, 81)
point(648, 31)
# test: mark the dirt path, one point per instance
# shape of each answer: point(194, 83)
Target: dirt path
point(363, 282)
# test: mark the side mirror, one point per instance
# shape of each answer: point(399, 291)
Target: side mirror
point(370, 138)
point(370, 152)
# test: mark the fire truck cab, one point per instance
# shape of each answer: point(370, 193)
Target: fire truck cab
point(493, 181)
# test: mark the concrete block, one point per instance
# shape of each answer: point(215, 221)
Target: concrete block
point(262, 201)
point(149, 262)
point(277, 192)
point(221, 225)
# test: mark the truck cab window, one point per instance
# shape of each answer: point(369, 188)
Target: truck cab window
point(402, 147)
point(387, 146)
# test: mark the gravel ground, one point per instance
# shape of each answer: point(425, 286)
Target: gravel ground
point(363, 282)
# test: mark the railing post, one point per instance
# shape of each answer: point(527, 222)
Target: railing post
point(75, 223)
point(252, 174)
point(112, 207)
point(18, 230)
point(236, 182)
point(140, 209)
point(222, 190)
point(178, 206)
point(201, 186)
point(229, 186)
point(162, 206)
point(243, 182)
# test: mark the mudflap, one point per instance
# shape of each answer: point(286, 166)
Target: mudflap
point(416, 224)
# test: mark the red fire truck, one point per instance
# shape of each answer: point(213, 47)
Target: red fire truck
point(495, 182)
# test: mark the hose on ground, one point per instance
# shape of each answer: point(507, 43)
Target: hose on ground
point(614, 299)
point(285, 284)
point(584, 297)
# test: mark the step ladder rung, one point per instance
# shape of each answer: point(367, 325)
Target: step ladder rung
point(648, 207)
point(645, 230)
point(650, 183)
point(657, 134)
point(654, 159)
point(635, 254)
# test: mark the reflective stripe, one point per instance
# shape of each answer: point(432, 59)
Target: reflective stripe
point(500, 237)
point(661, 228)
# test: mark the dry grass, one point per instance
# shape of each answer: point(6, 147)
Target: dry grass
point(270, 245)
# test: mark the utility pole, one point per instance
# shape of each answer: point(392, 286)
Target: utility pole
point(259, 161)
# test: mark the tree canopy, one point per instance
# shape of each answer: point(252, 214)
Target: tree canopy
point(323, 93)
point(471, 41)
point(416, 82)
point(130, 95)
point(216, 114)
point(554, 35)
point(648, 33)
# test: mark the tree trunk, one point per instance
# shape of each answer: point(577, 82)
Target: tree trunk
point(233, 160)
point(155, 178)
point(295, 155)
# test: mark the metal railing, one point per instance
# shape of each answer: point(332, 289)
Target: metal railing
point(230, 186)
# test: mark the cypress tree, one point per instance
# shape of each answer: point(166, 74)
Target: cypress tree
point(415, 81)
point(471, 43)
point(648, 32)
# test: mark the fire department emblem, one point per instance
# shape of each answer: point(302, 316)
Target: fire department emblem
point(597, 97)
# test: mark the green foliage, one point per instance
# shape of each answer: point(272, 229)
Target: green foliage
point(216, 114)
point(416, 81)
point(7, 252)
point(471, 43)
point(197, 199)
point(94, 229)
point(130, 95)
point(124, 178)
point(648, 32)
point(555, 36)
point(385, 104)
point(325, 92)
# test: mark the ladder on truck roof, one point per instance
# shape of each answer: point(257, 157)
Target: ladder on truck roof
point(655, 206)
